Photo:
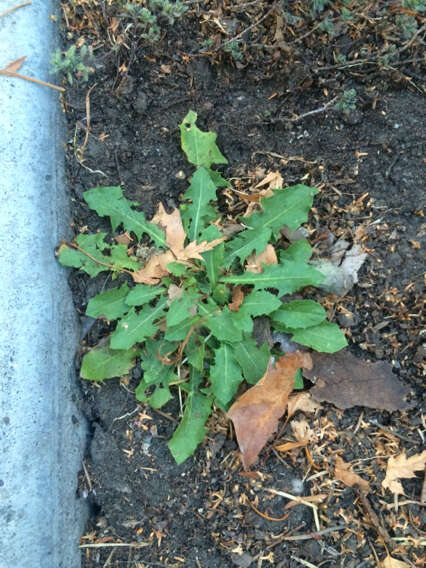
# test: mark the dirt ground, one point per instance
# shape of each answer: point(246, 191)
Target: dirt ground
point(369, 164)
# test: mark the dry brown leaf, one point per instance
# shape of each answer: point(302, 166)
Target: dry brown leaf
point(346, 381)
point(237, 299)
point(154, 269)
point(291, 446)
point(273, 180)
point(174, 292)
point(401, 467)
point(302, 401)
point(124, 239)
point(194, 249)
point(318, 498)
point(255, 262)
point(343, 473)
point(390, 562)
point(301, 430)
point(14, 66)
point(171, 223)
point(256, 413)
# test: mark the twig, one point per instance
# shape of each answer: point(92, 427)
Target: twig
point(311, 112)
point(417, 33)
point(308, 536)
point(266, 516)
point(253, 25)
point(375, 521)
point(125, 415)
point(298, 500)
point(30, 79)
point(13, 8)
point(82, 149)
point(304, 562)
point(117, 544)
point(86, 473)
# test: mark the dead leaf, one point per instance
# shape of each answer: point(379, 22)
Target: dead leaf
point(174, 292)
point(256, 413)
point(401, 467)
point(346, 381)
point(302, 431)
point(171, 223)
point(390, 562)
point(255, 262)
point(194, 249)
point(273, 180)
point(124, 239)
point(340, 278)
point(14, 66)
point(291, 446)
point(343, 473)
point(154, 269)
point(302, 401)
point(237, 299)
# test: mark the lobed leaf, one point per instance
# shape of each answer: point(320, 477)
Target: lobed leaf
point(299, 314)
point(225, 375)
point(220, 321)
point(110, 304)
point(326, 337)
point(142, 294)
point(110, 202)
point(252, 360)
point(287, 278)
point(136, 327)
point(104, 363)
point(198, 213)
point(200, 147)
point(245, 243)
point(191, 430)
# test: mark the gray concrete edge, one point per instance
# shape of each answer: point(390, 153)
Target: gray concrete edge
point(42, 432)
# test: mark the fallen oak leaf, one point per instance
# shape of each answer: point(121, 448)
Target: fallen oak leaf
point(346, 381)
point(124, 239)
point(343, 473)
point(14, 66)
point(273, 180)
point(401, 467)
point(193, 250)
point(288, 446)
point(318, 498)
point(255, 262)
point(256, 413)
point(172, 225)
point(391, 562)
point(302, 401)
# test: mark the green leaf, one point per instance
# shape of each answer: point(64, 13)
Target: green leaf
point(104, 363)
point(177, 269)
point(221, 294)
point(287, 278)
point(252, 360)
point(136, 327)
point(198, 213)
point(196, 356)
point(110, 202)
point(179, 332)
point(200, 147)
point(288, 206)
point(255, 304)
point(326, 337)
point(160, 397)
point(298, 380)
point(142, 294)
point(245, 243)
point(225, 374)
point(191, 430)
point(220, 321)
point(299, 314)
point(299, 251)
point(181, 308)
point(218, 180)
point(93, 245)
point(110, 304)
point(213, 258)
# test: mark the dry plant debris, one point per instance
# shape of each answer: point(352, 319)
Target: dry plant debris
point(401, 467)
point(347, 381)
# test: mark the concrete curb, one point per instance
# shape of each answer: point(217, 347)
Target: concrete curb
point(42, 433)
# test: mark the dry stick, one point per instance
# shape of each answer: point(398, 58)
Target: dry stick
point(116, 544)
point(311, 112)
point(82, 149)
point(253, 25)
point(30, 79)
point(298, 500)
point(374, 518)
point(10, 10)
point(417, 33)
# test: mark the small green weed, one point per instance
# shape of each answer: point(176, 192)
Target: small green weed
point(234, 49)
point(174, 312)
point(148, 18)
point(347, 101)
point(73, 62)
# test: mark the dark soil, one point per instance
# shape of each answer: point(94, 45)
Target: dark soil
point(369, 166)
